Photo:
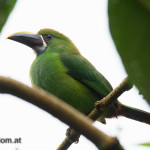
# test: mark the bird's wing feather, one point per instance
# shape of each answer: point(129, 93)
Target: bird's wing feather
point(82, 70)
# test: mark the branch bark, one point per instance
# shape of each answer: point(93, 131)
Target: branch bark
point(61, 110)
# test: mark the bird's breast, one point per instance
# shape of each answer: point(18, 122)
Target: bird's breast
point(49, 73)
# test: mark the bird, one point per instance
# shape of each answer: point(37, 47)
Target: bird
point(60, 69)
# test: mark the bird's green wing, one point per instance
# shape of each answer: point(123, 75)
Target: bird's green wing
point(82, 70)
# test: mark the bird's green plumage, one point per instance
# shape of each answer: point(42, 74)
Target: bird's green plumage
point(49, 73)
point(62, 71)
point(82, 70)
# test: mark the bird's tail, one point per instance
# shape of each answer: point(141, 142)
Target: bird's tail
point(133, 113)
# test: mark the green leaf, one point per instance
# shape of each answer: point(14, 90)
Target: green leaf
point(129, 22)
point(145, 144)
point(6, 7)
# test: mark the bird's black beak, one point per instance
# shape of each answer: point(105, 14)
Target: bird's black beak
point(34, 41)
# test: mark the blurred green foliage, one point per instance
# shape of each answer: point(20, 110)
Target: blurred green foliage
point(6, 7)
point(129, 22)
point(145, 144)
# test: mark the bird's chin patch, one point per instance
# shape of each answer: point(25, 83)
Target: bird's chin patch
point(40, 49)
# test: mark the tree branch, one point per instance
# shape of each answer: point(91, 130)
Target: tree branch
point(61, 110)
point(102, 106)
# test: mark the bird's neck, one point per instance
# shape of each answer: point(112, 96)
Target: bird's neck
point(62, 48)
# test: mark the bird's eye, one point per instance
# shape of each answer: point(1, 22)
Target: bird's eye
point(47, 37)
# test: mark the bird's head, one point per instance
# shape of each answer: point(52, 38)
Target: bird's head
point(45, 40)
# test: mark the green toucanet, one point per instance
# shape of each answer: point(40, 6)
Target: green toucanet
point(61, 70)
